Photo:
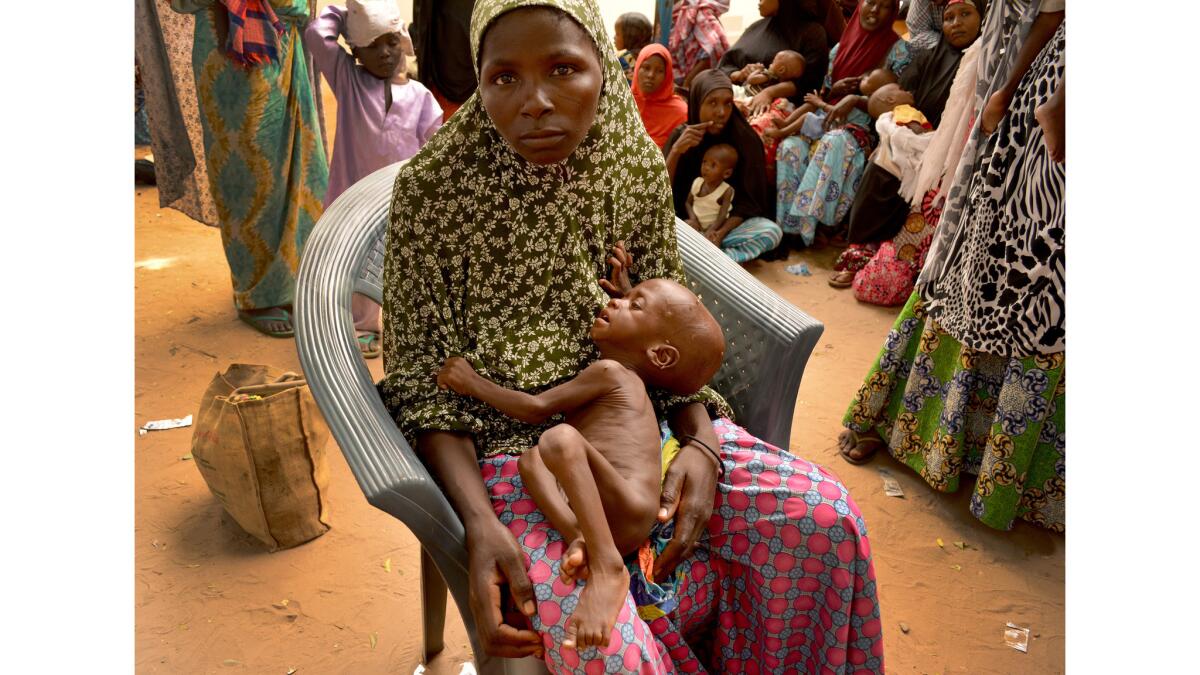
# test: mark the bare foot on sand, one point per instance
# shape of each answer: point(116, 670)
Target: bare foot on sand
point(599, 604)
point(574, 562)
point(859, 448)
point(1051, 117)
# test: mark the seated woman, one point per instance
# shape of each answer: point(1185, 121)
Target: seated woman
point(661, 108)
point(697, 39)
point(713, 120)
point(816, 182)
point(879, 211)
point(969, 389)
point(507, 277)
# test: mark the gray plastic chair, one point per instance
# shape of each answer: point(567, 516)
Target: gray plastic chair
point(769, 342)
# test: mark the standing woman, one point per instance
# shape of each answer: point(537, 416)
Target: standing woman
point(817, 186)
point(697, 39)
point(266, 163)
point(770, 552)
point(748, 232)
point(971, 379)
point(661, 108)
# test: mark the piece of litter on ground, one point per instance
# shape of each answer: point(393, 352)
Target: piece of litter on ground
point(891, 487)
point(231, 662)
point(290, 671)
point(141, 432)
point(467, 668)
point(1016, 637)
point(160, 425)
point(387, 565)
point(956, 567)
point(961, 544)
point(903, 627)
point(420, 670)
point(940, 543)
point(186, 457)
point(374, 640)
point(799, 268)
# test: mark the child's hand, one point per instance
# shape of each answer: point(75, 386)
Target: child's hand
point(761, 77)
point(457, 374)
point(712, 236)
point(695, 225)
point(844, 86)
point(618, 284)
point(773, 133)
point(814, 99)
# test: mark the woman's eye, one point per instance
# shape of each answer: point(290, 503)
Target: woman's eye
point(504, 78)
point(562, 70)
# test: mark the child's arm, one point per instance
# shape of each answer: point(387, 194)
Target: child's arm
point(321, 40)
point(587, 386)
point(717, 233)
point(793, 122)
point(759, 77)
point(692, 219)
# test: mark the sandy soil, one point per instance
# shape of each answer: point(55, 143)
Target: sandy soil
point(209, 598)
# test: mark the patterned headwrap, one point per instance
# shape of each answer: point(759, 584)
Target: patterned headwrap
point(497, 259)
point(254, 31)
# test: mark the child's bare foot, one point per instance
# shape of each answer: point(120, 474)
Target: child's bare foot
point(599, 604)
point(574, 562)
point(1051, 117)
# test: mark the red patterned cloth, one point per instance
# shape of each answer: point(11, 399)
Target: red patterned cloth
point(887, 278)
point(696, 32)
point(253, 32)
point(780, 109)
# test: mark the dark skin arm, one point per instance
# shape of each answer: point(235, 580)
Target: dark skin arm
point(762, 100)
point(689, 486)
point(716, 234)
point(692, 219)
point(689, 139)
point(493, 556)
point(836, 117)
point(1040, 32)
point(590, 384)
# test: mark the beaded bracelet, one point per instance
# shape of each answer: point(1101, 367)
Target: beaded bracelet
point(692, 439)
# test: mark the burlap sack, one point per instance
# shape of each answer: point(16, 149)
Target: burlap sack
point(264, 458)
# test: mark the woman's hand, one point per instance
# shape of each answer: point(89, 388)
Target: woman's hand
point(759, 104)
point(690, 138)
point(457, 374)
point(493, 559)
point(618, 284)
point(689, 488)
point(841, 111)
point(993, 111)
point(844, 87)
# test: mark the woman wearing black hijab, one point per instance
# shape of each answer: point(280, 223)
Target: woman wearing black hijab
point(879, 211)
point(712, 120)
point(786, 24)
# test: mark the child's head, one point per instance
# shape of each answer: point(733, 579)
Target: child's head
point(886, 98)
point(875, 79)
point(787, 65)
point(718, 163)
point(632, 31)
point(665, 333)
point(377, 36)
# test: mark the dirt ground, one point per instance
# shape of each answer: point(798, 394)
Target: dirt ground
point(210, 599)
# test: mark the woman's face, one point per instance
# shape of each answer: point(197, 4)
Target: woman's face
point(874, 13)
point(960, 24)
point(540, 82)
point(768, 7)
point(651, 73)
point(716, 109)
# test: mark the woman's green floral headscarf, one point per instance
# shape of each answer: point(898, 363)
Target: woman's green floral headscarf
point(497, 259)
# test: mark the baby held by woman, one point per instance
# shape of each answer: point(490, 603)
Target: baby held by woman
point(597, 475)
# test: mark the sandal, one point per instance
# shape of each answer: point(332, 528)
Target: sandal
point(262, 322)
point(843, 279)
point(868, 445)
point(368, 344)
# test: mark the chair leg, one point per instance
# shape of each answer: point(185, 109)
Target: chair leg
point(433, 606)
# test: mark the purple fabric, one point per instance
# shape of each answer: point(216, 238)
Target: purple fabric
point(368, 136)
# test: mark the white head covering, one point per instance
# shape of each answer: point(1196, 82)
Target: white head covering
point(368, 19)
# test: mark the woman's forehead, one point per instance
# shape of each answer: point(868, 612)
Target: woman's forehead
point(521, 35)
point(583, 14)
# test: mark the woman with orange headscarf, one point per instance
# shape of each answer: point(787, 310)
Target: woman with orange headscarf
point(654, 91)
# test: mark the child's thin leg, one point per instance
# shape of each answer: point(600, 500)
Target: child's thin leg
point(584, 475)
point(543, 487)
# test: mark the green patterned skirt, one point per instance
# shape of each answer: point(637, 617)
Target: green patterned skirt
point(945, 409)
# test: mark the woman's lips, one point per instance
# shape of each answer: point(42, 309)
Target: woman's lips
point(543, 138)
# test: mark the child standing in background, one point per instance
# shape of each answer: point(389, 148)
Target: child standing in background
point(382, 116)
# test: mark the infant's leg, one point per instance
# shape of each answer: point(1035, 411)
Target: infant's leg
point(543, 487)
point(585, 475)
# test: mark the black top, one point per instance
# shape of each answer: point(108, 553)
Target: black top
point(797, 26)
point(754, 195)
point(928, 78)
point(441, 36)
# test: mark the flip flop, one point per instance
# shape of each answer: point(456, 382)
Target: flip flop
point(838, 280)
point(368, 344)
point(260, 322)
point(873, 446)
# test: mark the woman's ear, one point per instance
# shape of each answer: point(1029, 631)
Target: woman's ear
point(662, 356)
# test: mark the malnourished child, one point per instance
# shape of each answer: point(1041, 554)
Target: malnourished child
point(605, 456)
point(709, 199)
